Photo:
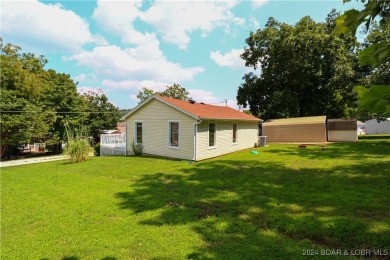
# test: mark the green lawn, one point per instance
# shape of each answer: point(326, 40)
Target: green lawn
point(240, 206)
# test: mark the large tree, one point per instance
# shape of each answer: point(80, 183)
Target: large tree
point(374, 96)
point(102, 114)
point(23, 81)
point(305, 70)
point(61, 96)
point(35, 102)
point(173, 91)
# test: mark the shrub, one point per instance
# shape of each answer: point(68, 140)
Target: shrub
point(78, 146)
point(97, 149)
point(137, 148)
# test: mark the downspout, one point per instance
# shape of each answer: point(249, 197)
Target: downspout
point(126, 134)
point(195, 138)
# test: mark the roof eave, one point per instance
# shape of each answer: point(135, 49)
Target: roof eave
point(230, 119)
point(177, 108)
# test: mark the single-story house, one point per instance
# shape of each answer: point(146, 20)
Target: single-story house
point(293, 130)
point(342, 130)
point(189, 130)
point(374, 127)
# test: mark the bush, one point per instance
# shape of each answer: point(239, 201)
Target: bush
point(78, 146)
point(137, 149)
point(97, 149)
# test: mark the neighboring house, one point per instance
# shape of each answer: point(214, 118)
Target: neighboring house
point(189, 130)
point(361, 128)
point(111, 132)
point(121, 126)
point(374, 127)
point(342, 130)
point(296, 130)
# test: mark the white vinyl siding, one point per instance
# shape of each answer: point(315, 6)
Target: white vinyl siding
point(247, 130)
point(155, 117)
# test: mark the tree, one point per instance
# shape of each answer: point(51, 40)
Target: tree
point(102, 113)
point(36, 103)
point(61, 96)
point(173, 91)
point(379, 52)
point(23, 81)
point(374, 99)
point(21, 121)
point(145, 94)
point(305, 71)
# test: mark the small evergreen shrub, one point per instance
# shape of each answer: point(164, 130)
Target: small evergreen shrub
point(137, 148)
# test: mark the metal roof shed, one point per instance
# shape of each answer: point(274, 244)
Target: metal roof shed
point(296, 130)
point(342, 130)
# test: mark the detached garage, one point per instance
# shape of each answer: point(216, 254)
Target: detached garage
point(293, 130)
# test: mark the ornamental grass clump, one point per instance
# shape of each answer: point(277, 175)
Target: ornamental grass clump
point(78, 146)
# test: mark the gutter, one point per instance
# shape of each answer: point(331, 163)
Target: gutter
point(126, 134)
point(199, 121)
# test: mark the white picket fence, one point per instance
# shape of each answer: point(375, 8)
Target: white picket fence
point(112, 144)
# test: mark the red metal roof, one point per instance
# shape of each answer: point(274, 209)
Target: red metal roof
point(205, 111)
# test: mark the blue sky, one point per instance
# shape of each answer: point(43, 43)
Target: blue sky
point(122, 46)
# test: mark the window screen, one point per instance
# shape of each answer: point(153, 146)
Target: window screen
point(138, 129)
point(212, 134)
point(234, 133)
point(174, 134)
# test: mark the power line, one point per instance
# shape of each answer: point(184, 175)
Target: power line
point(80, 112)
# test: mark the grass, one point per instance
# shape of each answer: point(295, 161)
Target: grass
point(240, 206)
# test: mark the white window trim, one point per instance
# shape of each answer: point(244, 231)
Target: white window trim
point(215, 135)
point(169, 134)
point(236, 142)
point(135, 131)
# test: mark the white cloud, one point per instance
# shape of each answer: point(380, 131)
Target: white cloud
point(232, 29)
point(255, 24)
point(200, 95)
point(231, 59)
point(117, 17)
point(175, 21)
point(208, 97)
point(135, 85)
point(45, 27)
point(256, 4)
point(85, 77)
point(230, 103)
point(142, 62)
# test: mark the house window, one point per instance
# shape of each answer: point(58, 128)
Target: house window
point(174, 134)
point(234, 133)
point(211, 134)
point(138, 132)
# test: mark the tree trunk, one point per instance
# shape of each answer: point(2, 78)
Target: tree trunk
point(2, 149)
